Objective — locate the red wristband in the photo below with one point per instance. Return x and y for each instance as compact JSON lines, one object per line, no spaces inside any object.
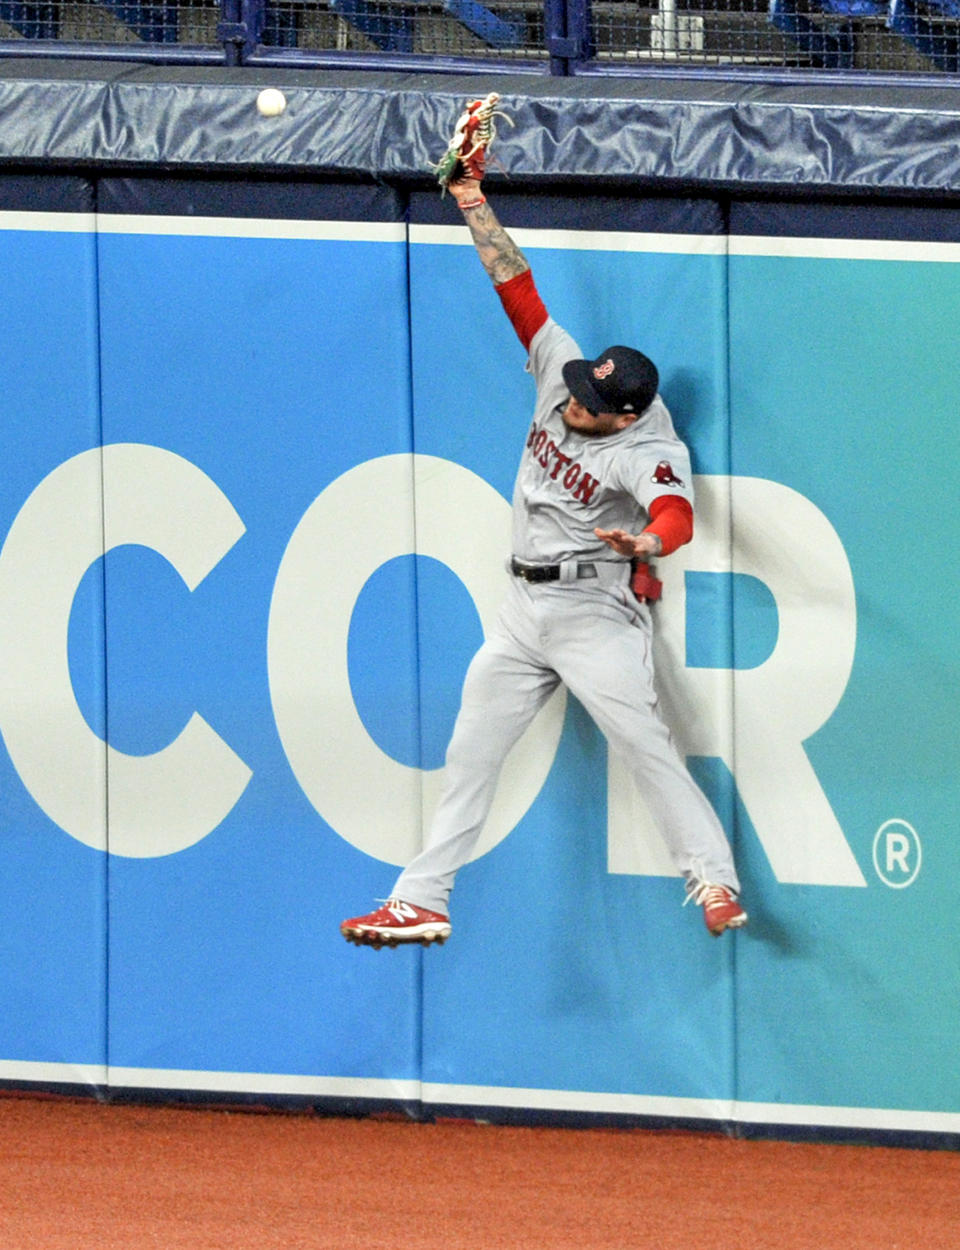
{"x":481,"y":199}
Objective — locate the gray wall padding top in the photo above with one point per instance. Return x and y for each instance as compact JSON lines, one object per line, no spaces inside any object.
{"x":646,"y":131}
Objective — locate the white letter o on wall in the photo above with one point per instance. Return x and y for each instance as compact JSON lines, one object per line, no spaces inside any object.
{"x":359,"y":522}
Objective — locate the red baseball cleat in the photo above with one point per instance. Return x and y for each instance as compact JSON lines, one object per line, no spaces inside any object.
{"x":721,"y":908}
{"x":396,"y":922}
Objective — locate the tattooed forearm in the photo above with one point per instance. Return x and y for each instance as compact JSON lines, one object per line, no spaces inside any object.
{"x":501,"y":257}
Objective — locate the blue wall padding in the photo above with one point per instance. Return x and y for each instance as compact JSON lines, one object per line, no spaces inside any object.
{"x":53,"y":936}
{"x":313,"y":388}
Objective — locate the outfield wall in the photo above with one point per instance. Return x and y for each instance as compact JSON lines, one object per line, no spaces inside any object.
{"x":260,"y":437}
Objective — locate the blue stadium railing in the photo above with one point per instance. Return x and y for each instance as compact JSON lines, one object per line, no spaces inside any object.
{"x":558,"y":37}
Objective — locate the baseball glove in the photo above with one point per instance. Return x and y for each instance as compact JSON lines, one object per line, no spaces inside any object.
{"x":473,"y":134}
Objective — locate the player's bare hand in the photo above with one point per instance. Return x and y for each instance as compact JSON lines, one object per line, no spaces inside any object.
{"x":635,"y":546}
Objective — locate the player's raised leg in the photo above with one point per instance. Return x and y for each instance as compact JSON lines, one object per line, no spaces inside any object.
{"x":613,"y":678}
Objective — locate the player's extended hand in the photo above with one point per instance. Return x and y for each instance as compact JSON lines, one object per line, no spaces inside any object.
{"x":635,"y":546}
{"x":465,"y":157}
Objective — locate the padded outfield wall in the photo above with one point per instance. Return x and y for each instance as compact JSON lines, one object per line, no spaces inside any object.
{"x":259,"y":438}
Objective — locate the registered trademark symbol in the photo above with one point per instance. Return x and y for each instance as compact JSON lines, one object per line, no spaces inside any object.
{"x":897,"y":854}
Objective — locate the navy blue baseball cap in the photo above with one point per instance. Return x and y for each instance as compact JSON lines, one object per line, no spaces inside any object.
{"x":621,"y":379}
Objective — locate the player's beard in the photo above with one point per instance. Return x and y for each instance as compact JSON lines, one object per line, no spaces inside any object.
{"x":598,"y":427}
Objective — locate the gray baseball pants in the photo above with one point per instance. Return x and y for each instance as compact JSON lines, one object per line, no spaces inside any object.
{"x":597,"y":639}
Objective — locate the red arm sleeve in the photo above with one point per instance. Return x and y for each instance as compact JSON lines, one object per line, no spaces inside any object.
{"x":523,"y":305}
{"x":671,"y":519}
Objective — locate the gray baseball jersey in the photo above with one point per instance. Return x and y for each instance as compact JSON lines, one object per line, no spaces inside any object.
{"x":568,"y":482}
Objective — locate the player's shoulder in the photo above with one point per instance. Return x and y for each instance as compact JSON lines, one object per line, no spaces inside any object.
{"x":652,"y":438}
{"x":655,"y":426}
{"x":551,"y":347}
{"x":656,"y":421}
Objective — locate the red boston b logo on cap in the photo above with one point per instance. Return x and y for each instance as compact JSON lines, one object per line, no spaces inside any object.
{"x":603,"y":371}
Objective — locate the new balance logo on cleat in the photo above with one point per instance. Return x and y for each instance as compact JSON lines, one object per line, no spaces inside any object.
{"x":721,"y":908}
{"x":397,"y":922}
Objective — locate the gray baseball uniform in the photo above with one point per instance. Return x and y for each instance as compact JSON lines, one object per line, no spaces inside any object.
{"x":586,"y":629}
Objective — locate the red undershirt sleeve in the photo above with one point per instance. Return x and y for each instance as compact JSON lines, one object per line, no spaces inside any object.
{"x":671,"y":519}
{"x":523,"y":305}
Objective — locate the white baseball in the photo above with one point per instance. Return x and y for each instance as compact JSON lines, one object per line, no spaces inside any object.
{"x":271,"y":102}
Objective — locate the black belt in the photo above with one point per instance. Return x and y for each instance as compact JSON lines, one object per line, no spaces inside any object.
{"x":547,"y":572}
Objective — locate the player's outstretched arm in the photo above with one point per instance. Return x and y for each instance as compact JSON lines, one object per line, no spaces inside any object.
{"x":500,"y":256}
{"x":460,"y":171}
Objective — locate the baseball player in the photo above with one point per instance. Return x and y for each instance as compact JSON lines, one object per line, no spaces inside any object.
{"x":604,"y":486}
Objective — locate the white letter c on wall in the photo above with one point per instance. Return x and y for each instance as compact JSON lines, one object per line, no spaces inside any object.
{"x":155,"y":804}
